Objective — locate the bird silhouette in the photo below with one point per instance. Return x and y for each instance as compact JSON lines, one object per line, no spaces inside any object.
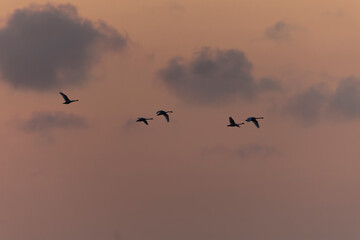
{"x":254,"y":120}
{"x":144,"y":120}
{"x":164,"y":113}
{"x":233,"y":123}
{"x":67,"y":100}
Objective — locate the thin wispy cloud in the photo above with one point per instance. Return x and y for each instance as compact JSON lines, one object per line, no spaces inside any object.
{"x":214,"y":76}
{"x":242,"y":152}
{"x":129,"y":124}
{"x":269,"y":84}
{"x":45,"y":122}
{"x":176,"y":6}
{"x":50,"y":46}
{"x":280,"y":31}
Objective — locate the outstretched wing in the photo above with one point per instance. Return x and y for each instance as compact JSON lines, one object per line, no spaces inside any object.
{"x":65,"y":97}
{"x":145,"y":122}
{"x":167,"y":117}
{"x":255,"y":122}
{"x":231,"y":120}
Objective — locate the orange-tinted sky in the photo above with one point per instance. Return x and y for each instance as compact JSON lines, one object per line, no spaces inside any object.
{"x":105,"y":176}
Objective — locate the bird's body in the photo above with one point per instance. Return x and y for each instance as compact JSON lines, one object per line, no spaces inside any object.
{"x":233,"y":123}
{"x":254,"y":120}
{"x":67,"y":100}
{"x":164,"y":113}
{"x":144,"y":120}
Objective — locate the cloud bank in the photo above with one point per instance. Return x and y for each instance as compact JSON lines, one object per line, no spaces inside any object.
{"x":44,"y":47}
{"x":213,"y":76}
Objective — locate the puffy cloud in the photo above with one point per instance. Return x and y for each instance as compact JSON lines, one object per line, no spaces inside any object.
{"x":346,"y":99}
{"x":213,"y":76}
{"x":318,"y":101}
{"x":308,"y":105}
{"x":46,"y":121}
{"x":45,"y":46}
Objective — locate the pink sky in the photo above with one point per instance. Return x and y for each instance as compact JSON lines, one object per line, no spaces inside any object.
{"x":295,"y":178}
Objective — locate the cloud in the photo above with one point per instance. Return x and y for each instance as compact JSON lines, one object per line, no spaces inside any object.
{"x":318,"y":102}
{"x":213,"y":76}
{"x":255,"y":150}
{"x":47,"y":121}
{"x":176,"y":6}
{"x":279,"y":31}
{"x":46,"y":46}
{"x":308,"y":105}
{"x":346,"y":99}
{"x":245,"y":151}
{"x":268,"y":84}
{"x":129,"y":124}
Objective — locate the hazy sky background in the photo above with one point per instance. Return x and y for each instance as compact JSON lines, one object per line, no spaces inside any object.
{"x":88,"y":171}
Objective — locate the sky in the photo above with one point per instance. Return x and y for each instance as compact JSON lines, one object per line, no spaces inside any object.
{"x":88,"y":170}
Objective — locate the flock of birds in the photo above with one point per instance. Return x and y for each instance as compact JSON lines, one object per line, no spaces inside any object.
{"x":166,"y":115}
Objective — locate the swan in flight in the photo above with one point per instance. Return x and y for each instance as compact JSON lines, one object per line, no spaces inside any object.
{"x":164,"y":113}
{"x":253,"y":119}
{"x":144,"y":120}
{"x":67,"y":100}
{"x":233,"y":124}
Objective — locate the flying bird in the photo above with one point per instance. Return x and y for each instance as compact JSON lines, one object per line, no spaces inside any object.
{"x":144,"y":120}
{"x":253,"y":119}
{"x":164,"y":113}
{"x":67,"y":100}
{"x":233,"y":123}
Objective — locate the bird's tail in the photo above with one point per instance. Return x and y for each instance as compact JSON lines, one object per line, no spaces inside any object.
{"x":169,"y":111}
{"x":149,"y":119}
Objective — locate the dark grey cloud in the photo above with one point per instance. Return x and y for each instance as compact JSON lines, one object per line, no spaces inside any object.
{"x":213,"y":76}
{"x":279,"y":31}
{"x":47,"y":121}
{"x":319,"y":102}
{"x":46,"y":46}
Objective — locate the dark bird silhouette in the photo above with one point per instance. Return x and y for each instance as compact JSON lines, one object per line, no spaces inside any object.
{"x":164,"y":113}
{"x":254,"y":120}
{"x":144,"y":120}
{"x":67,"y":100}
{"x":233,"y":123}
